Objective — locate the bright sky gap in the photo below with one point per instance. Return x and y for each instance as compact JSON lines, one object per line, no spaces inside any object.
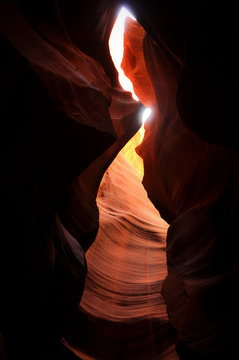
{"x":116,"y":45}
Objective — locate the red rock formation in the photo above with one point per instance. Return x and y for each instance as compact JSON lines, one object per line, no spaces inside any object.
{"x":64,"y":119}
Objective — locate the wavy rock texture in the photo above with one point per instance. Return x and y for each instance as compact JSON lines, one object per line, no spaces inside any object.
{"x":122,"y":309}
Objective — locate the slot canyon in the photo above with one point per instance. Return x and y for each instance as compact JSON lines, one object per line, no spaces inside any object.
{"x":120,"y":180}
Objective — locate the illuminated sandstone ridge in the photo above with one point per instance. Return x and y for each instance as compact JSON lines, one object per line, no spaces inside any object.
{"x":122,"y":303}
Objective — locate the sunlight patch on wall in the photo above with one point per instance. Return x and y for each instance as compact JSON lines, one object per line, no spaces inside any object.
{"x":116,"y":45}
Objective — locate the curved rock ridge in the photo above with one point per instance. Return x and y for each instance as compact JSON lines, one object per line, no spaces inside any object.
{"x":122,"y":309}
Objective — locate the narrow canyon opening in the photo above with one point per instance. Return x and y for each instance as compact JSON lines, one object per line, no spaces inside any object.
{"x":122,"y":303}
{"x":83,"y":250}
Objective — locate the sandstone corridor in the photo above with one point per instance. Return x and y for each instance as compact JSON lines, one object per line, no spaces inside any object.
{"x":107,"y":254}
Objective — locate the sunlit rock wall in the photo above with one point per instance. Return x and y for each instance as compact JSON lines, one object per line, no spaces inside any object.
{"x":122,"y":312}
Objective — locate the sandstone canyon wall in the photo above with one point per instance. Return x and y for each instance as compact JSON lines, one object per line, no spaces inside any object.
{"x":105,"y":277}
